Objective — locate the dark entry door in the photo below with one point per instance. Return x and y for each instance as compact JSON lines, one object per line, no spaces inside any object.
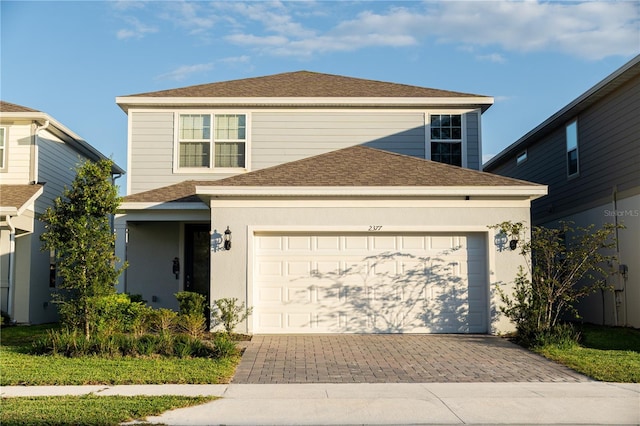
{"x":197,"y":259}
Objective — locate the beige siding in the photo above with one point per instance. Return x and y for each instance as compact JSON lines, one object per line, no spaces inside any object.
{"x":279,"y":137}
{"x":18,"y":154}
{"x":151,"y":151}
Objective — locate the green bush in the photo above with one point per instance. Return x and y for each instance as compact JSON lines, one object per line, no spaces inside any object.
{"x":116,"y":313}
{"x":194,"y":325}
{"x":224,"y":346}
{"x":191,"y":303}
{"x":164,"y":321}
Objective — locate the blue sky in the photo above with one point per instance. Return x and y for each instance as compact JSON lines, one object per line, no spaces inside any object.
{"x":71,"y":59}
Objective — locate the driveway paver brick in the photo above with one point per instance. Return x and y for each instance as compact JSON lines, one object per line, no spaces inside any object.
{"x":394,"y":358}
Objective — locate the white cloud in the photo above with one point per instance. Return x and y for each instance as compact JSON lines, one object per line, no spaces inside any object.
{"x":190,"y":15}
{"x":137,"y":29}
{"x":492,"y":57}
{"x":185,"y":71}
{"x":591,"y":30}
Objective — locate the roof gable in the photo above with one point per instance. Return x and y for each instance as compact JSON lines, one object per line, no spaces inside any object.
{"x":357,"y":166}
{"x":9,"y":107}
{"x":303,"y":84}
{"x":17,"y":197}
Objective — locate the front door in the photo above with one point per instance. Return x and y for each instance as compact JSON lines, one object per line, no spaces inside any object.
{"x":197,"y":252}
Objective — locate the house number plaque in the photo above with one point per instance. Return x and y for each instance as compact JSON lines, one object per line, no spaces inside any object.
{"x":375,"y":227}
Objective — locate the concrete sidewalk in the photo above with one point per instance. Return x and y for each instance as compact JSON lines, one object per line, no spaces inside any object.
{"x":585,"y":403}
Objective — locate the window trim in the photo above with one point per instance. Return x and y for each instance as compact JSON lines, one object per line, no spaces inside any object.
{"x":463,"y":134}
{"x":567,"y":151}
{"x":212,"y":169}
{"x":4,"y":157}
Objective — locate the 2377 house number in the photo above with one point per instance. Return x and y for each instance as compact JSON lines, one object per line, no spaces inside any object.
{"x":375,"y":227}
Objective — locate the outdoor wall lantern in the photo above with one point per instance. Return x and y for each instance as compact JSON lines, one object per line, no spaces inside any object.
{"x":227,"y":239}
{"x":514,"y":242}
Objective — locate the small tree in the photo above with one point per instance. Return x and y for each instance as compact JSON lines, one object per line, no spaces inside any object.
{"x":564,"y":264}
{"x":228,"y":313}
{"x":78,"y":231}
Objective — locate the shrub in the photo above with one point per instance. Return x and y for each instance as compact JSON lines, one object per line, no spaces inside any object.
{"x":194,"y":325}
{"x":164,"y":321}
{"x":116,"y":313}
{"x":228,"y":314}
{"x":224,"y":346}
{"x":191,"y":303}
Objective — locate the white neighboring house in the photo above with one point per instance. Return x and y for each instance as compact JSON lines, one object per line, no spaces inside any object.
{"x":38,"y":158}
{"x":321,"y":201}
{"x":588,"y":153}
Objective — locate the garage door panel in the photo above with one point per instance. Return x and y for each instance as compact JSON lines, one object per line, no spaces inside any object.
{"x":370,"y":283}
{"x":356,"y":243}
{"x":270,"y":294}
{"x":299,"y":268}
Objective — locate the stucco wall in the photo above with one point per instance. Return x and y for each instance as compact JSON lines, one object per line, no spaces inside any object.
{"x":151,"y":249}
{"x":231,"y":270}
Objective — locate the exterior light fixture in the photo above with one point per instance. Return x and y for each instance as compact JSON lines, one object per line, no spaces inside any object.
{"x":227,"y":239}
{"x":514,"y":242}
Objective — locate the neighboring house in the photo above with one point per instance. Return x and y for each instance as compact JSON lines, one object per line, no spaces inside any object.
{"x":38,"y":158}
{"x":588,"y":153}
{"x":311,"y":198}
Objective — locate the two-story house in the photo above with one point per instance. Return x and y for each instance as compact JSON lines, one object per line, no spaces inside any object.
{"x":588,"y":153}
{"x":325,"y":203}
{"x":38,"y":158}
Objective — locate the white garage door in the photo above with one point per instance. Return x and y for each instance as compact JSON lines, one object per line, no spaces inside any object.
{"x":363,"y":283}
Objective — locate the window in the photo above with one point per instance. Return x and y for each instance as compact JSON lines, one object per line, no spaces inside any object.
{"x":226,"y":140}
{"x":522,"y":157}
{"x":572,"y":148}
{"x":3,"y":148}
{"x":446,"y":138}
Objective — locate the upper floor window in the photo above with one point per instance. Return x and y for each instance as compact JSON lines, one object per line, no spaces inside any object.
{"x":572,"y":148}
{"x":522,"y":157}
{"x":212,"y":141}
{"x":446,"y":138}
{"x":3,"y":148}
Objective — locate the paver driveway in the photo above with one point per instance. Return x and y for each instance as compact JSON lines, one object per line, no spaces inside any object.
{"x":394,"y":358}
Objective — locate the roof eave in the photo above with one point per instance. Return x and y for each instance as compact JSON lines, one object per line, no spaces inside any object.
{"x":529,"y":191}
{"x":162,"y":205}
{"x":482,"y":102}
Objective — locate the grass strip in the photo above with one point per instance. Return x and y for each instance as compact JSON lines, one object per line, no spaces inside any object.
{"x":20,"y":368}
{"x":89,"y":409}
{"x":608,"y":354}
{"x":23,"y":369}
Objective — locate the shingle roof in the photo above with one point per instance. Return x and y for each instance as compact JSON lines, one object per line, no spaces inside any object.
{"x":357,"y":166}
{"x":303,"y":84}
{"x":17,"y":195}
{"x":9,"y":107}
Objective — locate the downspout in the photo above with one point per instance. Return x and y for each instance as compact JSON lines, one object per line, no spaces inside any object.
{"x":112,"y":223}
{"x":34,"y":150}
{"x":12,"y":267}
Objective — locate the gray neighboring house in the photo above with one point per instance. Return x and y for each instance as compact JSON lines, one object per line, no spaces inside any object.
{"x":38,"y":157}
{"x":321,"y":201}
{"x":588,"y":153}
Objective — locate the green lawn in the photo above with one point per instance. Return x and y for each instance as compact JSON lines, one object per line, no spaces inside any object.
{"x":89,"y":410}
{"x":21,"y":368}
{"x":609,"y":354}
